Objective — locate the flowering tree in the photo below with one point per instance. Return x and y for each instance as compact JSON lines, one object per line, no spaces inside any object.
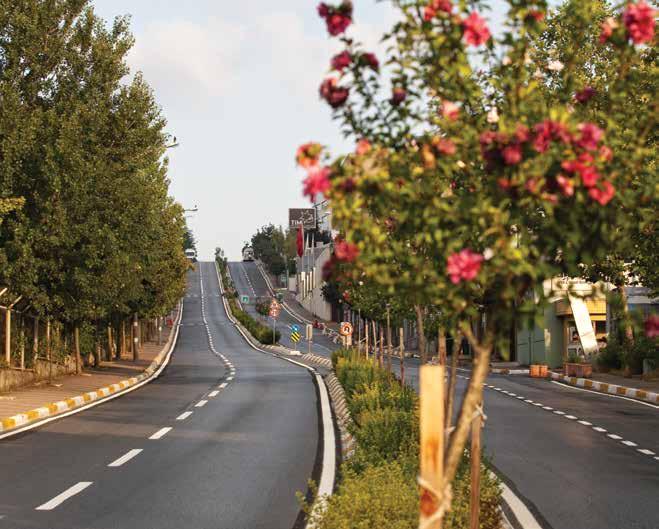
{"x":483,"y":170}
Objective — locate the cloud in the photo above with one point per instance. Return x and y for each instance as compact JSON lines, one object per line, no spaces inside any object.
{"x":183,"y":59}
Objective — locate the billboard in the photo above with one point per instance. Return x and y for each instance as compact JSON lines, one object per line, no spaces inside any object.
{"x":306,"y":216}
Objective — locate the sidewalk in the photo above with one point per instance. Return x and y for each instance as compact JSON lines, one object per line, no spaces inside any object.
{"x":45,"y":399}
{"x":635,"y":388}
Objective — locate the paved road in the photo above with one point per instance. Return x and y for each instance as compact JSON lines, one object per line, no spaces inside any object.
{"x":235,"y":462}
{"x":572,"y":473}
{"x":249,"y":281}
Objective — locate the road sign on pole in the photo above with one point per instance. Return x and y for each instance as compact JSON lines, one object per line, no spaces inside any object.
{"x":295,"y":334}
{"x":244,"y":299}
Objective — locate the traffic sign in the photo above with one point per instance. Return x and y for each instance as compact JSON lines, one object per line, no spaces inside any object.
{"x":346,"y":328}
{"x":309,"y":329}
{"x":295,"y":334}
{"x":244,"y":299}
{"x":274,"y":310}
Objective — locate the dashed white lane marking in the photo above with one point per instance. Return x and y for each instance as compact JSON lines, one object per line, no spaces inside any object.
{"x":201,"y":404}
{"x":184,"y":416}
{"x":223,"y":385}
{"x":61,"y":498}
{"x":214,"y":393}
{"x":125,"y":458}
{"x":599,"y":429}
{"x":161,"y":433}
{"x":229,"y":379}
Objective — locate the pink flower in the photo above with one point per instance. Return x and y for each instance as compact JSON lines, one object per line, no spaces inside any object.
{"x":337,"y":18}
{"x":639,"y":21}
{"x":584,"y":95}
{"x":512,"y":154}
{"x":345,"y":251}
{"x":602,"y":195}
{"x":436,"y":6}
{"x":522,"y":133}
{"x":335,"y":95}
{"x":590,"y":136}
{"x":606,"y":154}
{"x":398,"y":95}
{"x":652,"y":326}
{"x":607,"y":28}
{"x":449,"y":110}
{"x":370,"y":60}
{"x":341,"y":61}
{"x":547,"y":131}
{"x":475,"y":30}
{"x":444,"y":146}
{"x":464,"y":265}
{"x":307,"y":155}
{"x":537,"y":15}
{"x":363,"y":147}
{"x":566,"y":185}
{"x":316,"y":182}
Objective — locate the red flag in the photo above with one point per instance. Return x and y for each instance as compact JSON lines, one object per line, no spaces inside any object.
{"x":300,"y":241}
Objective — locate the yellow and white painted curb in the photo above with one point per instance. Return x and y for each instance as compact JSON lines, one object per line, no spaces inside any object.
{"x":610,"y":389}
{"x":54,"y":409}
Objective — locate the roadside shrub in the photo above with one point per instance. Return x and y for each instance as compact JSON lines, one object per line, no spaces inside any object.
{"x":382,"y":497}
{"x":642,"y":348}
{"x":260,"y":332}
{"x":609,"y":357}
{"x":383,"y":433}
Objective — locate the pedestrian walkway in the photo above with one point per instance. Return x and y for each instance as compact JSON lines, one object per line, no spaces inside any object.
{"x":43,"y":393}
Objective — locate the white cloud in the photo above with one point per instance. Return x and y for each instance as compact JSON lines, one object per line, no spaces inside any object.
{"x":183,"y":59}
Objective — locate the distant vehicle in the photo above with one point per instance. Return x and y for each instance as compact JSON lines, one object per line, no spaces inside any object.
{"x":248,"y":253}
{"x":191,"y":254}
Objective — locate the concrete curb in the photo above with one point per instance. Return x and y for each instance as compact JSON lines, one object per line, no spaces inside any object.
{"x":497,"y":371}
{"x":342,"y":414}
{"x":609,"y":389}
{"x":53,"y":409}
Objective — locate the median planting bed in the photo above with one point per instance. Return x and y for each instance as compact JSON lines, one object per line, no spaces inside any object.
{"x":377,"y":485}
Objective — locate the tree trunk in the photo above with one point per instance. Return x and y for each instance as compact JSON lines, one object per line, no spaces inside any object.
{"x":420,"y":333}
{"x":76,"y":348}
{"x":388,"y":341}
{"x":629,"y":331}
{"x":122,"y":338}
{"x":136,"y":338}
{"x":441,"y":345}
{"x":450,"y":398}
{"x":475,"y":472}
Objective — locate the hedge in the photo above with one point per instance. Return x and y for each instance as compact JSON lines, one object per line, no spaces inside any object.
{"x":261,"y":332}
{"x":378,"y":483}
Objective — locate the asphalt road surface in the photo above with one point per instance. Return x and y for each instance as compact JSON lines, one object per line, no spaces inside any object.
{"x":239,"y":448}
{"x":579,"y":460}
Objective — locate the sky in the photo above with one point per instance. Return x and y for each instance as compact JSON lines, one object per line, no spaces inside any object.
{"x":238,"y":84}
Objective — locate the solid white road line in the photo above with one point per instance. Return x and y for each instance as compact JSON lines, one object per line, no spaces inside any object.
{"x":214,"y":393}
{"x":57,"y":500}
{"x":201,"y":403}
{"x":521,"y":511}
{"x":160,"y":433}
{"x":605,"y":394}
{"x":125,"y":458}
{"x":184,"y":416}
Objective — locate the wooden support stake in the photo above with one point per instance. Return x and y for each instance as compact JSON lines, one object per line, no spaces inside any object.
{"x":366,"y":338}
{"x":476,"y":427}
{"x":375,"y":339}
{"x":388,"y":340}
{"x":402,"y":356}
{"x":136,"y":338}
{"x":381,"y":358}
{"x":8,"y":337}
{"x":431,"y":470}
